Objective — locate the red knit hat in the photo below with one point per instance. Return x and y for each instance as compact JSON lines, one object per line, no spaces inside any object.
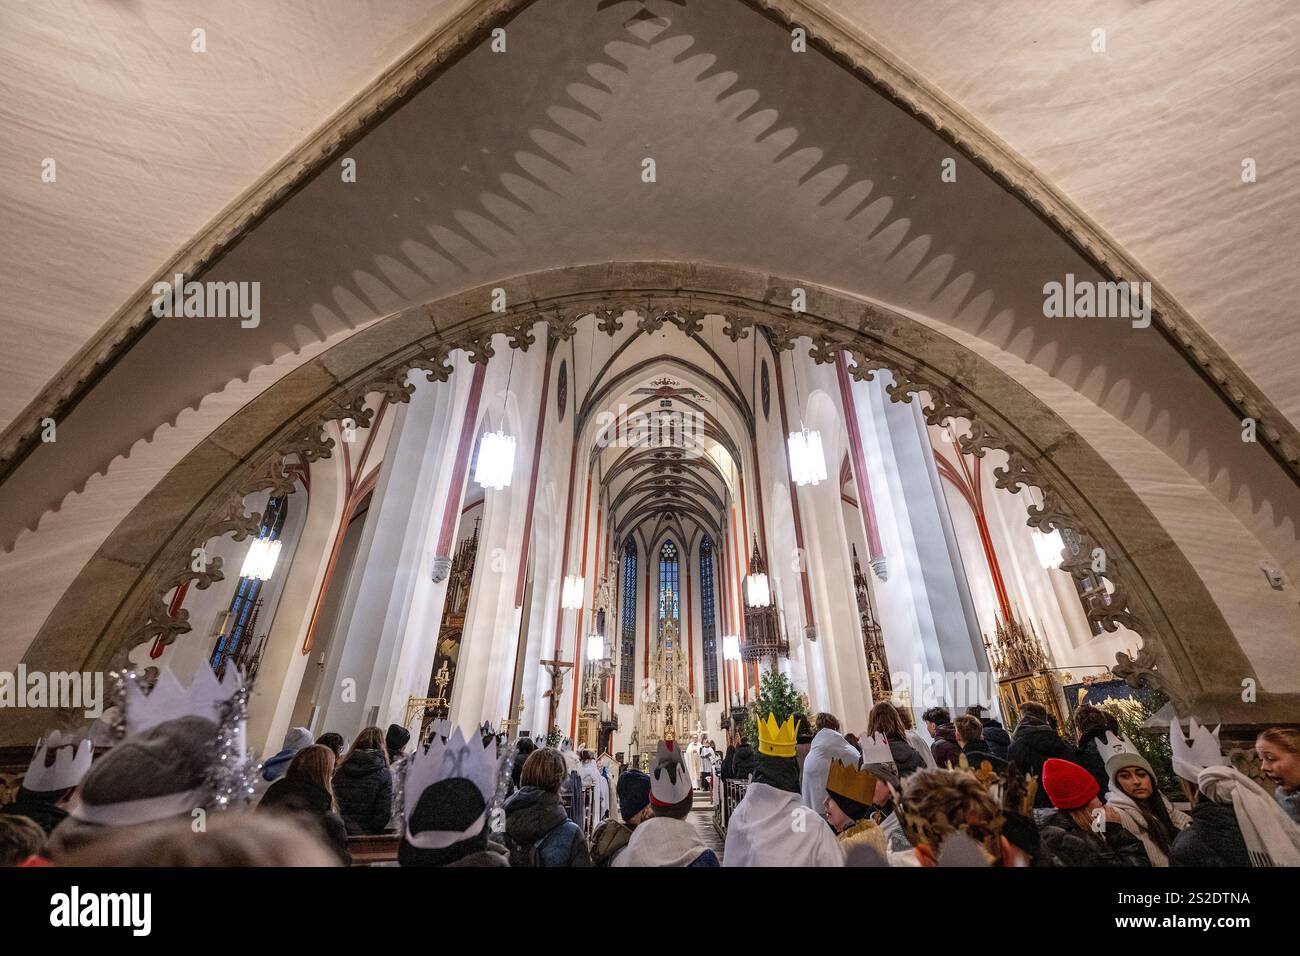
{"x":1068,"y":785}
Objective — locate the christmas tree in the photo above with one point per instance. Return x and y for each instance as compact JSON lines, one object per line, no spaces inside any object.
{"x":776,"y":695}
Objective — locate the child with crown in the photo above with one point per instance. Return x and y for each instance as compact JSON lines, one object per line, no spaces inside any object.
{"x":771,"y":826}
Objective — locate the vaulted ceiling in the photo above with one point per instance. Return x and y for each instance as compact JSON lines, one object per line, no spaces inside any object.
{"x":509,"y":163}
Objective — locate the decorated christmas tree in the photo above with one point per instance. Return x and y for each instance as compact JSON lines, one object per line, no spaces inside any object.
{"x":776,"y":695}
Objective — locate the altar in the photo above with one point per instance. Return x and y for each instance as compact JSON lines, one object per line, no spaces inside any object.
{"x":668,"y":707}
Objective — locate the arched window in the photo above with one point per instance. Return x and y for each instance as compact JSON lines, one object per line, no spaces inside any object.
{"x":710,"y":629}
{"x":669,"y":596}
{"x":627,"y":627}
{"x":233,"y":644}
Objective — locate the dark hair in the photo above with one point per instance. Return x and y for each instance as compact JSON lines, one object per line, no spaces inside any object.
{"x":937,"y":715}
{"x":885,"y":719}
{"x":1089,"y":719}
{"x":20,"y":838}
{"x":333,"y":741}
{"x":969,"y":727}
{"x":678,"y":811}
{"x":975,"y":710}
{"x":1034,"y":710}
{"x":825,"y":721}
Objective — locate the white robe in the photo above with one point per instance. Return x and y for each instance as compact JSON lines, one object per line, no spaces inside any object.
{"x":772,"y":827}
{"x":827,"y":746}
{"x":692,"y":756}
{"x":591,"y":775}
{"x":661,"y":841}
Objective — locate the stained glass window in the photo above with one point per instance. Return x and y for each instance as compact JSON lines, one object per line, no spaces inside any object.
{"x":627,"y":629}
{"x":669,"y":596}
{"x":710,"y":629}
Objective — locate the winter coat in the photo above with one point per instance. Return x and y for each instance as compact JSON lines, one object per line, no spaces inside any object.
{"x":363,"y":787}
{"x":1031,"y":746}
{"x":978,"y":752}
{"x":743,"y":763}
{"x":1090,"y":759}
{"x":996,"y":735}
{"x":760,"y":832}
{"x":829,"y":745}
{"x":907,"y":758}
{"x":494,"y":855}
{"x":945,"y":749}
{"x":276,"y":767}
{"x":540,"y":833}
{"x":608,"y":841}
{"x":1213,"y":838}
{"x":665,"y":841}
{"x":44,"y":813}
{"x":1071,"y":846}
{"x":312,"y":804}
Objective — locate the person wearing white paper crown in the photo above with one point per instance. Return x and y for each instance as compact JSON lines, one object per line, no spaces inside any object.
{"x":447,"y":803}
{"x":771,"y":826}
{"x":181,"y":749}
{"x":666,"y":839}
{"x":1143,"y":810}
{"x":49,"y":787}
{"x":1234,"y":821}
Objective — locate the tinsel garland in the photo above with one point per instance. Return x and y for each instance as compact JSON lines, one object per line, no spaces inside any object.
{"x":232,"y":776}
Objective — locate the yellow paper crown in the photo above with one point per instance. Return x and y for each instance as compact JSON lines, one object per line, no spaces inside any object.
{"x":846,"y":781}
{"x":776,"y":741}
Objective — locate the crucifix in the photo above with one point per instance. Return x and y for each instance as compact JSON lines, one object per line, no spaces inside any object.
{"x":557,"y":670}
{"x":442,"y":679}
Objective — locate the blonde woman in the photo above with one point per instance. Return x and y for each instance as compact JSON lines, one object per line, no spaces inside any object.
{"x":307,"y":790}
{"x":1279,"y":756}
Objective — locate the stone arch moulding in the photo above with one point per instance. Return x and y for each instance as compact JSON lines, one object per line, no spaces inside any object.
{"x":117,"y":599}
{"x":827,"y":31}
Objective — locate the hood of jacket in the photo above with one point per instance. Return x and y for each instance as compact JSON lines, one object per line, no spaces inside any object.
{"x":946,"y":732}
{"x":362,"y":763}
{"x":610,"y":837}
{"x":662,"y":841}
{"x":532,"y":813}
{"x":828,"y":743}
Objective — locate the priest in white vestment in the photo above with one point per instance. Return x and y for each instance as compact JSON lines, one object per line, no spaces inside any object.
{"x":771,"y":826}
{"x":592,"y":777}
{"x":692,"y":755}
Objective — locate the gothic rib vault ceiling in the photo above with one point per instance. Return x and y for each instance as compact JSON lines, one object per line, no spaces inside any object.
{"x":512,"y":163}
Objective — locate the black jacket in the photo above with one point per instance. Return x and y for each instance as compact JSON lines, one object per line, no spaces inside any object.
{"x":1089,"y":758}
{"x":1213,"y":838}
{"x":311,"y":803}
{"x":48,"y":815}
{"x":906,"y":759}
{"x":1032,"y":745}
{"x":363,"y":787}
{"x":978,"y":752}
{"x":540,"y":833}
{"x":1072,"y":846}
{"x":743,"y":763}
{"x":996,"y":735}
{"x":945,"y":749}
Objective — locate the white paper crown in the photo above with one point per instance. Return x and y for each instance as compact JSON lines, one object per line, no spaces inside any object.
{"x":875,"y":749}
{"x":1113,"y":746}
{"x":206,"y":697}
{"x":71,"y":761}
{"x":670,"y":781}
{"x":1189,"y":759}
{"x":457,"y":758}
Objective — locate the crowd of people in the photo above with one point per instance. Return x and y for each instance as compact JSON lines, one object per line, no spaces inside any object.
{"x":813,"y":795}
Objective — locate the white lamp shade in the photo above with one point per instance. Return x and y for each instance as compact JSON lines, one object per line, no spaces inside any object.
{"x":758,"y":592}
{"x":260,"y":561}
{"x":807,"y":460}
{"x":496,"y":460}
{"x":1049,"y":547}
{"x":731,"y":647}
{"x":571,"y":596}
{"x":595,"y":647}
